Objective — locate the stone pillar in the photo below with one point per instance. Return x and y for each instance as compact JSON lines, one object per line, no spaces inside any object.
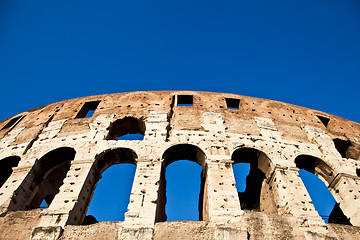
{"x":221,"y":201}
{"x":70,"y":204}
{"x":291,"y":197}
{"x":15,"y":191}
{"x":144,"y":195}
{"x":346,"y":190}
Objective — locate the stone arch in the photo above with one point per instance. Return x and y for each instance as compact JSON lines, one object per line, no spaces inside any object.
{"x":326,"y":174}
{"x":172,"y":154}
{"x":6,"y":166}
{"x":263,"y":161}
{"x":103,"y":161}
{"x":184,"y":151}
{"x":47,"y":175}
{"x":113,"y":156}
{"x":126,"y":125}
{"x":315,"y":166}
{"x":260,"y":169}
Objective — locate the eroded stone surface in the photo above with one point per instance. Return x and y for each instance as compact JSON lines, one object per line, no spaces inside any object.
{"x":57,"y":144}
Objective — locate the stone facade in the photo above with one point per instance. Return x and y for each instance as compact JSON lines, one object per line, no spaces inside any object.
{"x":57,"y":153}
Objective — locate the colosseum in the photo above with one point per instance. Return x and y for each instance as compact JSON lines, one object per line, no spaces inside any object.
{"x":58,"y":153}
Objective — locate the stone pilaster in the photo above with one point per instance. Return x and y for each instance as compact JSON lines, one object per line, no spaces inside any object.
{"x":292,"y":198}
{"x":15,"y":191}
{"x":221,"y":201}
{"x":144,"y":195}
{"x":346,"y":190}
{"x":70,"y":204}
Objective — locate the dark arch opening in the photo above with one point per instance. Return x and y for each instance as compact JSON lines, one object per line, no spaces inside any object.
{"x":48,"y":175}
{"x":109,"y":197}
{"x":249,"y":157}
{"x":316,"y":175}
{"x":181,"y":169}
{"x":6,"y":165}
{"x":127,"y":128}
{"x":315,"y":166}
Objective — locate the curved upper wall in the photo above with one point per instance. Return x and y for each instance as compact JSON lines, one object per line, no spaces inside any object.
{"x":61,"y":143}
{"x":288,"y":119}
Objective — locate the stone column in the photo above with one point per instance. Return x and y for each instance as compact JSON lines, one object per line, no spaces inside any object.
{"x":346,"y":190}
{"x":291,"y":197}
{"x":15,"y":191}
{"x":144,"y":195}
{"x":70,"y":204}
{"x":221,"y":201}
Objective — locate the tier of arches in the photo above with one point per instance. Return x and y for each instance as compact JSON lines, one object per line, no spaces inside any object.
{"x":47,"y":175}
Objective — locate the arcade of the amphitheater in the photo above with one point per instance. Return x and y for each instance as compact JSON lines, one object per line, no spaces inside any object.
{"x":58,"y":153}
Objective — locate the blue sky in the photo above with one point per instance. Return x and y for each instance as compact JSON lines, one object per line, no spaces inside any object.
{"x":301,"y":52}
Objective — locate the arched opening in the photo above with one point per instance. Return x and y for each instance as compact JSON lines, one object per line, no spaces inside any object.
{"x":6,"y":165}
{"x":181,"y":184}
{"x":127,"y":128}
{"x":182,"y":191}
{"x":48,"y":175}
{"x":249,"y":161}
{"x":316,"y":175}
{"x":113,"y":172}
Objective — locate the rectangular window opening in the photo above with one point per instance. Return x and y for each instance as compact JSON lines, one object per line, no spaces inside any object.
{"x":184,"y":100}
{"x":88,"y":109}
{"x":232,"y":103}
{"x":324,"y":120}
{"x":12,"y":122}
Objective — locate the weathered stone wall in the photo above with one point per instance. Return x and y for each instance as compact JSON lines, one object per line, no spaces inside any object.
{"x":19,"y":224}
{"x":58,"y":144}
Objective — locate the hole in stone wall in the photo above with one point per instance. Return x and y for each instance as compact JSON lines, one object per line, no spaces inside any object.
{"x":250,"y":197}
{"x":6,"y":166}
{"x":322,"y":199}
{"x":129,"y":136}
{"x":358,"y":172}
{"x":320,"y":195}
{"x":88,"y":109}
{"x":324,"y":120}
{"x":232,"y":103}
{"x":184,"y":100}
{"x":43,"y":204}
{"x":127,"y":128}
{"x":182,"y":191}
{"x":48,"y":174}
{"x":181,"y":184}
{"x":342,"y":146}
{"x":90,"y":113}
{"x":241,"y":171}
{"x":112,"y":194}
{"x":12,"y":122}
{"x":109,"y":201}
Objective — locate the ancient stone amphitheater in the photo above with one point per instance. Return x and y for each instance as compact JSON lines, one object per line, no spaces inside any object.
{"x":58,"y":153}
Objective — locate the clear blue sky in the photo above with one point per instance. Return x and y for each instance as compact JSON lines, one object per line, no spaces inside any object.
{"x":303,"y":52}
